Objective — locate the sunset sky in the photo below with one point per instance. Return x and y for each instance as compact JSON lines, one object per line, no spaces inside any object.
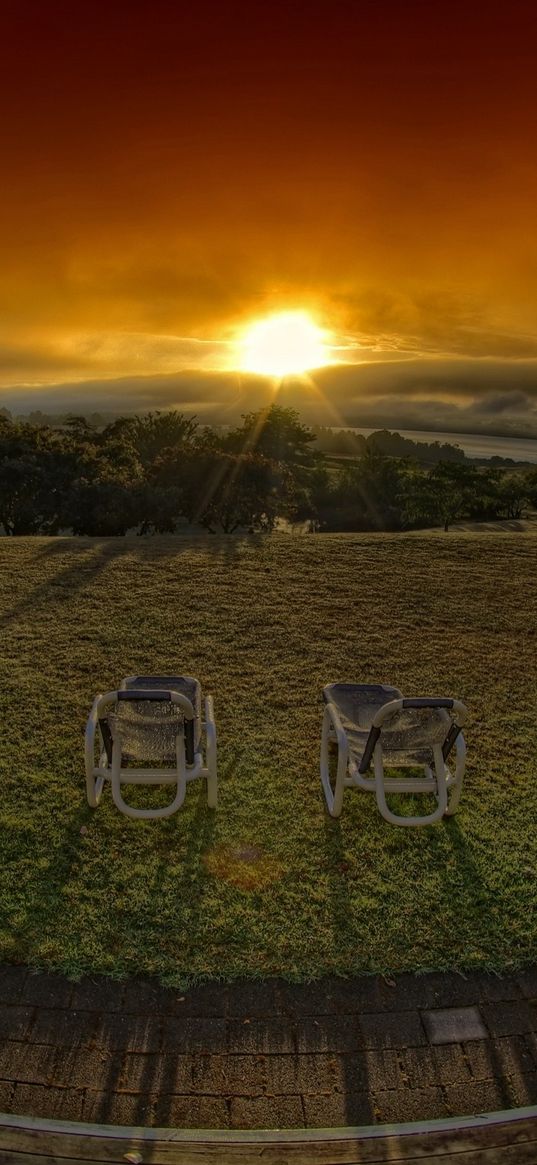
{"x":173,"y":172}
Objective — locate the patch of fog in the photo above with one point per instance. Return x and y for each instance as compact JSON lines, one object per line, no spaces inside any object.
{"x":283,"y":526}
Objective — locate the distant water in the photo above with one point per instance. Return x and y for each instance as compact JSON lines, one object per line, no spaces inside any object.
{"x":473,"y":444}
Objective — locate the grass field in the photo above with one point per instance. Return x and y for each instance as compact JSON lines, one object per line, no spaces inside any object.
{"x":269,"y":884}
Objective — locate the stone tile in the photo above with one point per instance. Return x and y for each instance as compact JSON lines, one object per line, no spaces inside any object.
{"x":338,"y":1110}
{"x":527,"y":981}
{"x":409,"y":1104}
{"x":42,"y":990}
{"x":432,"y":990}
{"x":315,"y":999}
{"x":63,"y":1028}
{"x":509,"y":1019}
{"x":139,"y":1072}
{"x":315,"y":1074}
{"x":40,"y":1100}
{"x":392,"y":1030}
{"x":12,"y":981}
{"x":501,"y":1057}
{"x":451,"y":1065}
{"x":145,"y":997}
{"x":7,"y":1091}
{"x":365,"y":994}
{"x":409,"y":992}
{"x":204,"y":1036}
{"x":209,"y":1000}
{"x":254,"y":1000}
{"x":451,"y":1025}
{"x":277,"y":1112}
{"x":15,"y":1022}
{"x":29,"y":1063}
{"x":128,"y":1033}
{"x":479,"y":1096}
{"x":87,"y":1068}
{"x":530,"y":1041}
{"x":417,"y":1068}
{"x":192,"y":1112}
{"x":269,"y":1036}
{"x":329,"y":1034}
{"x":175,"y":1073}
{"x":533,"y":1013}
{"x":150,"y":1072}
{"x":97,"y":995}
{"x":498,"y":988}
{"x":524,"y":1088}
{"x":231,"y":1075}
{"x":382,"y":1069}
{"x":113,"y":1108}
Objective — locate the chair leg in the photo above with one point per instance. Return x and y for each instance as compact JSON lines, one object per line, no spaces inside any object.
{"x":148,"y":814}
{"x":460,"y":765}
{"x":210,"y":740}
{"x":94,"y":789}
{"x":333,"y":798}
{"x":441,"y":794}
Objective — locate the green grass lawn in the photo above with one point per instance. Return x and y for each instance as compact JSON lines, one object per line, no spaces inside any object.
{"x":269,"y":884}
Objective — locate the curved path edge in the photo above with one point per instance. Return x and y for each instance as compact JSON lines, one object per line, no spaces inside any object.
{"x":488,"y":1137}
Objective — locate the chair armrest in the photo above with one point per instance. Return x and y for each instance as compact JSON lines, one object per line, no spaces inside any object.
{"x":332,"y":713}
{"x":89,"y":736}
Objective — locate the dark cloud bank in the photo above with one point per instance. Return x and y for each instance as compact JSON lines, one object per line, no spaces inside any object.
{"x":456,"y":395}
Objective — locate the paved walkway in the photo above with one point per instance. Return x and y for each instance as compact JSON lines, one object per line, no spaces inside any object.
{"x":267,"y":1055}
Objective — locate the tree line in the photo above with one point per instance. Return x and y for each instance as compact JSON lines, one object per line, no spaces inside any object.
{"x":161,"y":471}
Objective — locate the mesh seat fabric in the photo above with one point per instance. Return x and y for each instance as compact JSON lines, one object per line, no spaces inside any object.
{"x":407,"y":736}
{"x":147,"y":730}
{"x":185,"y":685}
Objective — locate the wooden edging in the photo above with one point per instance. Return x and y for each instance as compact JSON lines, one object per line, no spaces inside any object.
{"x":500,"y":1138}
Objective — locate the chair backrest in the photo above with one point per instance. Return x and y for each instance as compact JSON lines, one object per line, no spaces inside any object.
{"x":146,"y":722}
{"x":187,"y":686}
{"x":409,"y":728}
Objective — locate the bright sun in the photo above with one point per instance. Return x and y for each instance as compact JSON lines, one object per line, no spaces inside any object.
{"x":282,"y":345}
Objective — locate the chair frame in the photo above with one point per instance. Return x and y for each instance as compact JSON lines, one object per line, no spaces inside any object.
{"x":111,"y":770}
{"x":439,"y":779}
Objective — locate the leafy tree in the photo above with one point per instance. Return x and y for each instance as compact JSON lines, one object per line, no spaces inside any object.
{"x":277,"y":434}
{"x":513,"y":493}
{"x":452,"y":490}
{"x":372,"y":486}
{"x":392,"y":444}
{"x":151,"y":434}
{"x":238,"y":490}
{"x":158,"y":508}
{"x":30,"y":472}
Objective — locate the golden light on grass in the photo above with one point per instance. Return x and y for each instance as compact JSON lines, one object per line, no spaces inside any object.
{"x":288,"y":343}
{"x":246,"y":867}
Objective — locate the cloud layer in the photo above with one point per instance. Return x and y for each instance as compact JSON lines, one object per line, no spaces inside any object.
{"x":481,"y":396}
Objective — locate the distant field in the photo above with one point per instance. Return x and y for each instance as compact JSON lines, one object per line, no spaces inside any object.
{"x":264,"y":624}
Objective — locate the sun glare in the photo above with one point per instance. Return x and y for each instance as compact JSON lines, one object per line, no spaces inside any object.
{"x":286,"y":344}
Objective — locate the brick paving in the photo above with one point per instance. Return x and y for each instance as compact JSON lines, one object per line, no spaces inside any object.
{"x":267,"y":1055}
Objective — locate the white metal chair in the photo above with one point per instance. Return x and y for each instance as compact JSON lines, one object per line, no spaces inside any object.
{"x":155,"y":722}
{"x":373,"y":724}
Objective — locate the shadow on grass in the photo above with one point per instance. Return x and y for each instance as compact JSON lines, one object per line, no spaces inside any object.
{"x":93,"y":555}
{"x":63,"y":584}
{"x":47,"y":900}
